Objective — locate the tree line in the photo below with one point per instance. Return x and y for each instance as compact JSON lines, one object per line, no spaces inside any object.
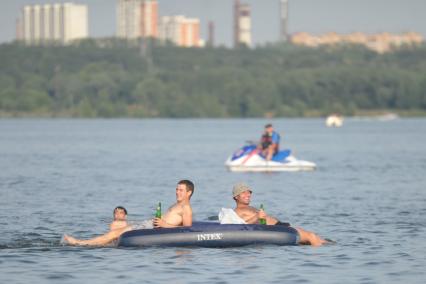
{"x":115,"y":78}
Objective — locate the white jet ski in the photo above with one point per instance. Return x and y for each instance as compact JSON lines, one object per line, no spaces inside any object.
{"x":249,"y":159}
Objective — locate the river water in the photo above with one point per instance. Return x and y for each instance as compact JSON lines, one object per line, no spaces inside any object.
{"x":65,"y":176}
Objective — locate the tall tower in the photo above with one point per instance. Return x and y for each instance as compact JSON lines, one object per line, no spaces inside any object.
{"x":210,"y":40}
{"x":242,"y":24}
{"x":284,"y":20}
{"x":236,"y":22}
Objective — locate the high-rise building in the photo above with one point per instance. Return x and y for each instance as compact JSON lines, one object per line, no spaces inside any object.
{"x":180,"y":30}
{"x":137,"y":18}
{"x":149,"y":19}
{"x":284,"y":20}
{"x":128,"y":18}
{"x":63,"y":23}
{"x":242,"y":24}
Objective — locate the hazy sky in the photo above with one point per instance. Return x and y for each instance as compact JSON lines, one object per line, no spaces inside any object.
{"x":313,"y":16}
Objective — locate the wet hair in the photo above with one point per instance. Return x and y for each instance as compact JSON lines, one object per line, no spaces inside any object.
{"x":120,"y":208}
{"x":189,"y":186}
{"x":268,"y":125}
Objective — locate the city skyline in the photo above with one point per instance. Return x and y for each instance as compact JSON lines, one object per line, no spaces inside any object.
{"x":312,"y":16}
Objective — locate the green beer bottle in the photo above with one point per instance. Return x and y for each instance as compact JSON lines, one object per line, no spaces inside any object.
{"x":158,"y":211}
{"x":262,"y":221}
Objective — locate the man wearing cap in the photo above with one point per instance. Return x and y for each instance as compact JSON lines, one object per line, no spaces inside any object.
{"x":242,"y":196}
{"x":269,"y":142}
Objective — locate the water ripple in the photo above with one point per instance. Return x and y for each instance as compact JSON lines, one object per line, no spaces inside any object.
{"x":63,"y":176}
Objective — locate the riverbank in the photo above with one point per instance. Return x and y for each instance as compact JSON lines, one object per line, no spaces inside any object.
{"x":88,"y":81}
{"x":310,"y":114}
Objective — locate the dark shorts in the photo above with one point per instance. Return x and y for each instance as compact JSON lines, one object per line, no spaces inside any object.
{"x":279,"y":223}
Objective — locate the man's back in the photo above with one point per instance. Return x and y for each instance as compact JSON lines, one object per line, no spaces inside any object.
{"x":275,"y":138}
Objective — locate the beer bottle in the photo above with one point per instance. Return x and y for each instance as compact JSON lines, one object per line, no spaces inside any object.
{"x":262,"y":221}
{"x":158,"y":211}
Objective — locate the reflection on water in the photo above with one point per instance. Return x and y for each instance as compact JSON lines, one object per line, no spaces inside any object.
{"x":66,"y":176}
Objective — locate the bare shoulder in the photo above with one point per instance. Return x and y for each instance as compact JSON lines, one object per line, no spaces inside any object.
{"x":186,"y":207}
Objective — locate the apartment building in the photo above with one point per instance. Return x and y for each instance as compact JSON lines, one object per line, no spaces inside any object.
{"x":181,"y":31}
{"x":380,"y":43}
{"x":137,"y":18}
{"x":53,"y":23}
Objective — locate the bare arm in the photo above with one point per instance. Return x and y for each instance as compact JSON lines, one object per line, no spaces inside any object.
{"x":269,"y":219}
{"x":252,"y":217}
{"x":160,"y":223}
{"x":249,"y":216}
{"x":187,"y":216}
{"x":186,"y":219}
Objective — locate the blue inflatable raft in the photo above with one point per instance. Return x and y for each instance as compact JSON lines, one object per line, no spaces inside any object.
{"x":209,"y":234}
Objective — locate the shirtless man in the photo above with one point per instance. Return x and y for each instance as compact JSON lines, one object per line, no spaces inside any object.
{"x":179,"y":214}
{"x":242,"y":196}
{"x":120,"y":216}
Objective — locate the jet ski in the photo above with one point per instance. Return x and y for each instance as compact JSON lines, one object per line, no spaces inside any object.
{"x":250,"y":159}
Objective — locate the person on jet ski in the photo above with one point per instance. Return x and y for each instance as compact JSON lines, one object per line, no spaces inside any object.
{"x":269,"y":142}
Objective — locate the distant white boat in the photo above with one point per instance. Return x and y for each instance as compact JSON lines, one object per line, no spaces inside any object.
{"x":334,"y":120}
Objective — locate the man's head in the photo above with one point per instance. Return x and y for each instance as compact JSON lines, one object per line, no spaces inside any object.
{"x":120,"y":213}
{"x":269,"y":128}
{"x":241,"y":193}
{"x":185,"y":189}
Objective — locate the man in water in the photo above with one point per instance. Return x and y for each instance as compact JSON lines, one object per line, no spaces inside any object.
{"x":242,"y":196}
{"x":120,"y":218}
{"x":179,"y":214}
{"x":269,"y":143}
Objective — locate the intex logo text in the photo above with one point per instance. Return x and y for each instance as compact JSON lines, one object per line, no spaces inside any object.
{"x":209,"y":237}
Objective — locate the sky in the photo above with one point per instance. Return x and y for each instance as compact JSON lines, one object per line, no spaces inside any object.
{"x":312,"y":16}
